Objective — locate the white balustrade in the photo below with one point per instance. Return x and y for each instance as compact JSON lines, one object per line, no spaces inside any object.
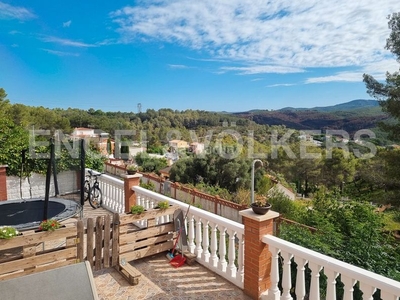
{"x":113,"y":192}
{"x":368,"y":281}
{"x":219,"y":245}
{"x":217,"y":242}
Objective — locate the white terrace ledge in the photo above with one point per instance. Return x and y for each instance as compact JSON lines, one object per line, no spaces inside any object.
{"x":350,"y":274}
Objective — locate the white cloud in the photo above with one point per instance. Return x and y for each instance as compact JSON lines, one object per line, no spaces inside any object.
{"x":67,"y":42}
{"x":377,"y":69}
{"x":60,"y":53}
{"x":263,"y":69}
{"x":338,"y":77}
{"x":177,"y":66}
{"x":106,"y":42}
{"x":8,"y":11}
{"x":281,"y":84}
{"x":67,"y":24}
{"x":288,"y":34}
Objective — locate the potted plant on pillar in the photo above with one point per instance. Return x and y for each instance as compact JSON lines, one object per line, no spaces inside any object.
{"x":131,"y":169}
{"x":261,"y":206}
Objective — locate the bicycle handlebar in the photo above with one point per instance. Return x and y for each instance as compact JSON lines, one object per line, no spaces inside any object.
{"x":91,"y":174}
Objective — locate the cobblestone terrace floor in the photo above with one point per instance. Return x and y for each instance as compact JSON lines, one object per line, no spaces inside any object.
{"x":159,"y":280}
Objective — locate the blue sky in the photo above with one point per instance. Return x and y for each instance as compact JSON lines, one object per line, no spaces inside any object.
{"x":225,"y":55}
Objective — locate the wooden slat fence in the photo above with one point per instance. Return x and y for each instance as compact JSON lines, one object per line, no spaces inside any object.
{"x":104,"y":242}
{"x":101,"y":247}
{"x":37,"y":251}
{"x":135,"y":243}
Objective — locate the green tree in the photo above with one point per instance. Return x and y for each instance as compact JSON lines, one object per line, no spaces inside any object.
{"x":13,"y":140}
{"x":338,"y":169}
{"x":4,"y":103}
{"x":388,"y":93}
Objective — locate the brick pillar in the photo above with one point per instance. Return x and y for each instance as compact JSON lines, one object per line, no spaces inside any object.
{"x":257,"y":258}
{"x":129,"y":182}
{"x":3,"y":182}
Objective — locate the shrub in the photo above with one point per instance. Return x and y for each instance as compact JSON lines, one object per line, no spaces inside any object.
{"x":163,"y":204}
{"x":7,"y":232}
{"x":49,"y":225}
{"x":137,"y":209}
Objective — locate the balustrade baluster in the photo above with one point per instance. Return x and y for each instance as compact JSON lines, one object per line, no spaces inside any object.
{"x":300,"y":278}
{"x":199,"y":249}
{"x":314,"y":288}
{"x":206,"y":242}
{"x":240,"y":257}
{"x":105,"y":189}
{"x":287,"y":275}
{"x":274,"y":290}
{"x":107,"y":192}
{"x":162,"y":219}
{"x":232,"y":254}
{"x":348,"y":287}
{"x":222,"y":249}
{"x":147,"y":203}
{"x":121,"y":197}
{"x":214,"y":257}
{"x":330,"y":283}
{"x":114,"y":197}
{"x":368,"y":291}
{"x":191,"y":243}
{"x":388,"y":296}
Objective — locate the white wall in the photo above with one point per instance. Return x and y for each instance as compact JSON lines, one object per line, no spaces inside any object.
{"x":35,"y":186}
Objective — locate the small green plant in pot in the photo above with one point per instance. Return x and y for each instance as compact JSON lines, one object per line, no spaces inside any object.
{"x":137,"y":209}
{"x":8,"y":232}
{"x":131,"y":169}
{"x":49,"y":225}
{"x":162,"y":204}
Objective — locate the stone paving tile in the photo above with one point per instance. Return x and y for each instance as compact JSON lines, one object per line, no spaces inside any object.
{"x":160,"y":280}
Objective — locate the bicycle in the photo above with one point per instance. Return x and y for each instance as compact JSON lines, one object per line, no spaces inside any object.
{"x":92,"y":190}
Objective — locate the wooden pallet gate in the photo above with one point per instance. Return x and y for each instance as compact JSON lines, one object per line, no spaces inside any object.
{"x":136,"y":243}
{"x":105,"y":242}
{"x":30,"y":253}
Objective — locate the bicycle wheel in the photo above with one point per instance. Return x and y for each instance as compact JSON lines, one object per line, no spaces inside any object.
{"x":96,"y":197}
{"x":86,"y":190}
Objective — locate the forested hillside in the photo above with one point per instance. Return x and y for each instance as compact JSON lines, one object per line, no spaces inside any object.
{"x":351,"y":117}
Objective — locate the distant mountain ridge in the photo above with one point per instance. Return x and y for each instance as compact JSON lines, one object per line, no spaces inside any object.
{"x":350,"y":116}
{"x":354,"y":104}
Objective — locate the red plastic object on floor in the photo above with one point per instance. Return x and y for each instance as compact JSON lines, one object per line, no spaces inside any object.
{"x":178,"y":261}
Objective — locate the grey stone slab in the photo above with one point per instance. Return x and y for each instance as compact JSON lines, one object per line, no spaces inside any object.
{"x":73,"y":282}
